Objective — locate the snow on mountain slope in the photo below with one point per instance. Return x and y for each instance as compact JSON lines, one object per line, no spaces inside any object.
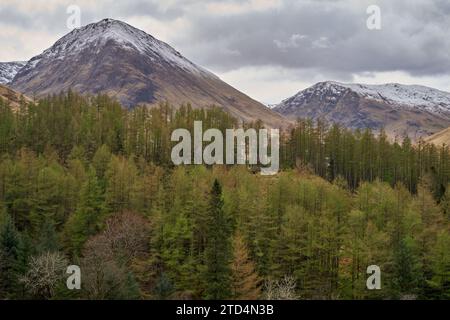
{"x":98,"y":34}
{"x":413,"y":96}
{"x":8,"y":70}
{"x":412,"y":110}
{"x":409,"y":96}
{"x":111,"y":57}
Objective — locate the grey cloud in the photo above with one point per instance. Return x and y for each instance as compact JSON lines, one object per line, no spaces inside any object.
{"x":54,"y":20}
{"x":334,"y":38}
{"x":328,"y":36}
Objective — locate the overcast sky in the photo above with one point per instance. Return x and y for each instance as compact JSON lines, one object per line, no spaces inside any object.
{"x":269,"y":49}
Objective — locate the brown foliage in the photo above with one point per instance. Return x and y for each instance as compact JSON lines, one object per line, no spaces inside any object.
{"x":246,"y":282}
{"x":107,"y":256}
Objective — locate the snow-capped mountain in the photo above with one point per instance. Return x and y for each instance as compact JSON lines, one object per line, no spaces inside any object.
{"x":115,"y":58}
{"x":97,"y":35}
{"x":8,"y":70}
{"x":411,"y":110}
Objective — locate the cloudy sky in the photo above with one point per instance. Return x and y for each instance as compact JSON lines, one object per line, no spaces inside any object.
{"x":269,"y":49}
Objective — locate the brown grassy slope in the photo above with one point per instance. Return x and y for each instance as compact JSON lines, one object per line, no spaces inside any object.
{"x":12,"y":97}
{"x":439,"y":138}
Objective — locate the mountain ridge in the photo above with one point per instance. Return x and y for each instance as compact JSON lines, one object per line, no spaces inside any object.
{"x":412,"y":110}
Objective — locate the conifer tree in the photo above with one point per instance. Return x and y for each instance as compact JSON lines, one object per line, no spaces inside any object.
{"x":88,"y":216}
{"x":245,"y":280}
{"x":407,"y":272}
{"x":440,"y":257}
{"x":218,"y":248}
{"x":10,"y":259}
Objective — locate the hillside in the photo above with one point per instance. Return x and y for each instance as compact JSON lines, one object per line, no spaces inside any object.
{"x":439,"y":138}
{"x":11,"y":96}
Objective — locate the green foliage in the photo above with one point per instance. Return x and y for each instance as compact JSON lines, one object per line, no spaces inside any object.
{"x":218,"y":248}
{"x":11,"y":259}
{"x":440,"y":259}
{"x":88,"y":216}
{"x":407,"y":270}
{"x":84,"y":179}
{"x":333,"y":151}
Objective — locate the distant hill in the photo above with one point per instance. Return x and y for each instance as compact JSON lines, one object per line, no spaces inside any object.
{"x":415,"y":111}
{"x":8,"y":70}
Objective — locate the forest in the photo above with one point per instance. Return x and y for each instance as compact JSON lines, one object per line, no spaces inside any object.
{"x":84,"y":181}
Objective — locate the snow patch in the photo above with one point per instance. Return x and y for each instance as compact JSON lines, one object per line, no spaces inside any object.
{"x":8,"y":70}
{"x":398,"y":95}
{"x":130,"y":38}
{"x":430,"y":99}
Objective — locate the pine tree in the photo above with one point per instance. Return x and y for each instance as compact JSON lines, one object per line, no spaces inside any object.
{"x":121,"y":179}
{"x":245,"y":280}
{"x":48,"y":240}
{"x":407,"y":273}
{"x":10,"y":259}
{"x":440,"y":257}
{"x":176,"y":253}
{"x":218,"y":248}
{"x":100,"y":161}
{"x":88,"y":216}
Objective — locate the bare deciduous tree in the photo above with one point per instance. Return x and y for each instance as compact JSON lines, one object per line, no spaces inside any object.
{"x":44,"y":274}
{"x":283,"y":289}
{"x":107,"y":256}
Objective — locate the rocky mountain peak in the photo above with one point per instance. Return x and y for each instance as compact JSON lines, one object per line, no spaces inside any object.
{"x":114,"y":58}
{"x":400,"y":109}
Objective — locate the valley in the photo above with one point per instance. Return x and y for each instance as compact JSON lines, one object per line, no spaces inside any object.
{"x":116,"y":167}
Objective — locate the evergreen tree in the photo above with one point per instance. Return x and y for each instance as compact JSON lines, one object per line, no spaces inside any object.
{"x":48,"y":238}
{"x":440,"y":257}
{"x":218,"y":248}
{"x":11,"y":258}
{"x":88,"y":216}
{"x":407,"y":273}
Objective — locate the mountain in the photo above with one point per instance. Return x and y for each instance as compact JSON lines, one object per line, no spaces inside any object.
{"x":412,"y":110}
{"x":117,"y":59}
{"x":11,"y":96}
{"x":439,"y":138}
{"x":8,"y":70}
